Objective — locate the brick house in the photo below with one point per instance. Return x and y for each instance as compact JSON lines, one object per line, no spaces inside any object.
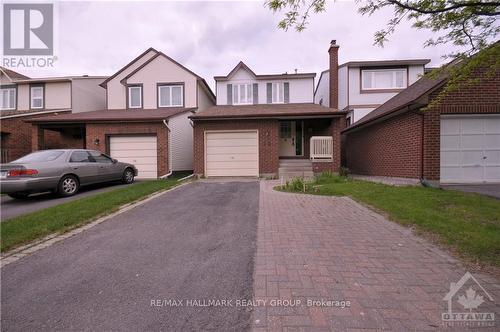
{"x":24,"y":98}
{"x":455,"y":139}
{"x":145,"y":121}
{"x":267,"y":125}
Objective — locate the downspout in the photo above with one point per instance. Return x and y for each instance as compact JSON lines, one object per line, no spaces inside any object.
{"x":169,"y":159}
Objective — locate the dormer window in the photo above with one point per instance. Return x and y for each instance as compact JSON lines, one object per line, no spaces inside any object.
{"x":170,"y":95}
{"x":242,"y":94}
{"x":135,"y":96}
{"x":384,"y":79}
{"x":278,"y":93}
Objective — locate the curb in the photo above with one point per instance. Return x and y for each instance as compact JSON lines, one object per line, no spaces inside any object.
{"x":30,"y":248}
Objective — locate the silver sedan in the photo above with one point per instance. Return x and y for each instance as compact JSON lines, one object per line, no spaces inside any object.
{"x":61,"y":171}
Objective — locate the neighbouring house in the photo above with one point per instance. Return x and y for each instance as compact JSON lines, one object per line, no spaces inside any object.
{"x":423,"y":133}
{"x":266,"y":125}
{"x":365,"y":85}
{"x":24,"y":98}
{"x":145,"y":122}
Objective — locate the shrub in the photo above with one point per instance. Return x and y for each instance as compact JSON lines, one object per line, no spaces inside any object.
{"x":344,"y":171}
{"x":297,"y":184}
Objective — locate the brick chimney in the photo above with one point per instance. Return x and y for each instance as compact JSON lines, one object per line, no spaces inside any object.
{"x":334,"y":74}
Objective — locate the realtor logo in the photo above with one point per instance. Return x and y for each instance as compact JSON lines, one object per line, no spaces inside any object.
{"x":28,"y":29}
{"x":469,"y":294}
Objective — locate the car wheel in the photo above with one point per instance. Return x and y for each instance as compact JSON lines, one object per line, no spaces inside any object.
{"x":18,"y":195}
{"x":68,"y":186}
{"x":128,"y":176}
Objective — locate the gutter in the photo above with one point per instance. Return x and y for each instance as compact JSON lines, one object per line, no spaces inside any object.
{"x":169,"y":159}
{"x":33,"y":113}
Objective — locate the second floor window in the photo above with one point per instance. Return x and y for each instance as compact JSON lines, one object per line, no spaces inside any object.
{"x":36,"y":97}
{"x":278,"y":92}
{"x":8,"y":98}
{"x":242,"y":94}
{"x":135,"y":97}
{"x":379,"y":79}
{"x":170,"y":96}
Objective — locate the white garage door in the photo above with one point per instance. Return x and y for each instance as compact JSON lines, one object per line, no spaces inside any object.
{"x":138,"y":150}
{"x":470,"y":149}
{"x":234,"y":153}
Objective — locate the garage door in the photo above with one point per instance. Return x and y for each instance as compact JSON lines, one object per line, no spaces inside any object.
{"x":234,"y":153}
{"x":470,"y":149}
{"x":138,"y":150}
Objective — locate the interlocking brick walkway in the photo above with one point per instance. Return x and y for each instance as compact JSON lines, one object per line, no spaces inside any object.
{"x":332,"y":248}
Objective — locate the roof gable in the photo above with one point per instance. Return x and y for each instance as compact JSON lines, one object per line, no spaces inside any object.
{"x":242,"y":66}
{"x":157,"y":56}
{"x":12,"y":75}
{"x":143,"y":54}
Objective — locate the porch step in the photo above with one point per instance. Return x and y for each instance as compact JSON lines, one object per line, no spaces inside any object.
{"x":295,"y":162}
{"x":293,"y":168}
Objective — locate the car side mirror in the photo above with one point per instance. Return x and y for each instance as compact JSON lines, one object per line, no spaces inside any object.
{"x":115,"y":161}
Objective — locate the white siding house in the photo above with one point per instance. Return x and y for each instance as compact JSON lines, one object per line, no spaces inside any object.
{"x":243,"y":86}
{"x":365,"y":85}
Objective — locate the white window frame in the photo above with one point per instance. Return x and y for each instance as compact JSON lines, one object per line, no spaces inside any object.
{"x":237,"y":100}
{"x":129,"y":88}
{"x":393,"y":70}
{"x":170,"y":89}
{"x":32,"y":98}
{"x":14,"y":101}
{"x":281,"y":92}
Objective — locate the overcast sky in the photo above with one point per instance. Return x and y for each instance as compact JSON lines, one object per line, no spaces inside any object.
{"x":98,"y":38}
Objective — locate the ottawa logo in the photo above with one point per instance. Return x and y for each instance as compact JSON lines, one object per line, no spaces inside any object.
{"x":469,"y":294}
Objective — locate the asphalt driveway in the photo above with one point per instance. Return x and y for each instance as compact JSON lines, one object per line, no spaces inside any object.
{"x":194,"y":243}
{"x":11,"y":207}
{"x":492,"y":190}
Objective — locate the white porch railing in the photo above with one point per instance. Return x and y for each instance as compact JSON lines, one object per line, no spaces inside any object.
{"x":321,"y":148}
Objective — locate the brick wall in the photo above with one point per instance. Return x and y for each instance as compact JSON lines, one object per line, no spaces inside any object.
{"x":392,"y":147}
{"x":389,"y":148}
{"x":268,"y":142}
{"x":17,"y":138}
{"x":102,"y":130}
{"x":476,"y":98}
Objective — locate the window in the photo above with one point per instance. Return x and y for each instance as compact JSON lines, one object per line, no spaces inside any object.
{"x":8,"y":96}
{"x":36,"y":97}
{"x":285,"y":129}
{"x":242,"y":94}
{"x":40,"y":156}
{"x":278,"y":92}
{"x":379,"y":79}
{"x":100,"y":157}
{"x":135,"y":97}
{"x":79,"y":157}
{"x":170,"y":95}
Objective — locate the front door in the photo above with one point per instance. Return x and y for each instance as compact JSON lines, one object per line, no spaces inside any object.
{"x":291,"y":135}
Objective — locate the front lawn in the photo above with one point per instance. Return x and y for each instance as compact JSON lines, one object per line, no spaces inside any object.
{"x":64,"y":217}
{"x":468,"y":223}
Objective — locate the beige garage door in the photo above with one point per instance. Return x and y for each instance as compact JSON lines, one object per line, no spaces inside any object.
{"x":470,"y":149}
{"x":232,"y":153}
{"x":138,"y":150}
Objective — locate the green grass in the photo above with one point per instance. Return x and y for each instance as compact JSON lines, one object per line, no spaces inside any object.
{"x":468,"y":223}
{"x":64,"y":217}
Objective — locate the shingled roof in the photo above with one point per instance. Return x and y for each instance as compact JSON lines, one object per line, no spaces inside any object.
{"x":122,"y":115}
{"x":266,"y":111}
{"x":13,"y":75}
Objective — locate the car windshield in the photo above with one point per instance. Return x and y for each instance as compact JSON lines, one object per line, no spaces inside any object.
{"x":40,"y":156}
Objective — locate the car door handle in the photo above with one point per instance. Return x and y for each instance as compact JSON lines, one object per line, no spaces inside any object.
{"x":74,"y":167}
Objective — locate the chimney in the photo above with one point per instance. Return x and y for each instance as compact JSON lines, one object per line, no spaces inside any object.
{"x":334,"y":74}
